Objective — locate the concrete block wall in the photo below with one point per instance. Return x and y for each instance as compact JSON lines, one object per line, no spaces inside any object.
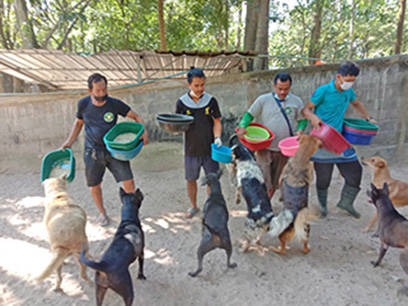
{"x":34,"y":124}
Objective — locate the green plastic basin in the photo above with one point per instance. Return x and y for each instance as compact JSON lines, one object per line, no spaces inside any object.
{"x":124,"y":136}
{"x":58,"y":163}
{"x":360,"y":124}
{"x":256,"y":133}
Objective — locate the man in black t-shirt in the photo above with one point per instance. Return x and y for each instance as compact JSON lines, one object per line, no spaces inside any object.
{"x":99,"y":113}
{"x":205,"y":129}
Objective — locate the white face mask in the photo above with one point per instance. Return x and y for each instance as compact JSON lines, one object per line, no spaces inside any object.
{"x":193,"y":94}
{"x":346,"y":85}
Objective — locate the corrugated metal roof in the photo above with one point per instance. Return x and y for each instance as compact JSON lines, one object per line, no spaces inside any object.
{"x":61,"y":70}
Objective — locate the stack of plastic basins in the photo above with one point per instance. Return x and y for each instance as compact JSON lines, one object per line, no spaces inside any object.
{"x":124,"y":150}
{"x":358,"y":131}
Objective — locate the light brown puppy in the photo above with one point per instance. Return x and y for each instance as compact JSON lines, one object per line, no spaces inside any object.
{"x":65,"y":222}
{"x":398,"y":189}
{"x":297,"y":176}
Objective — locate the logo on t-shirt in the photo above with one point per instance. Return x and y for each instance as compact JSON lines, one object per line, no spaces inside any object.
{"x":288,"y":110}
{"x":108,"y":117}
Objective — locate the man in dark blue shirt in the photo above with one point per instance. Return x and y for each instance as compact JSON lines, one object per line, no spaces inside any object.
{"x":99,"y":113}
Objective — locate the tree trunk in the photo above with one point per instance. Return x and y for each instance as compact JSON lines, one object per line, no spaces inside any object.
{"x":314,"y":46}
{"x":161,"y":26}
{"x":261,"y":43}
{"x":24,"y":24}
{"x":351,"y":32}
{"x":238,"y":44}
{"x":251,"y":24}
{"x":400,"y":28}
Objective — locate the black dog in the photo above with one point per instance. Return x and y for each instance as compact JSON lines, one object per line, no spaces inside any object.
{"x":127,"y":245}
{"x":250,"y":182}
{"x":392,"y":227}
{"x":215,"y":232}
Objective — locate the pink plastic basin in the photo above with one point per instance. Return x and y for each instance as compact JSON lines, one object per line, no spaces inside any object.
{"x":289,"y":145}
{"x":332,"y":140}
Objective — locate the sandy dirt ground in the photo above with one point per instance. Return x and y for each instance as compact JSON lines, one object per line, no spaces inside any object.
{"x":337,"y":271}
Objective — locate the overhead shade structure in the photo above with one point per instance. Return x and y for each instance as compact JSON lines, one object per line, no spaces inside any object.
{"x":59,"y":70}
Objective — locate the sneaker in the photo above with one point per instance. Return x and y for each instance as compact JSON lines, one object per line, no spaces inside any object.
{"x":103,"y":220}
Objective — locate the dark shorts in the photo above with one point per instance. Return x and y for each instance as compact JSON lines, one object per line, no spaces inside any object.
{"x":192,"y":166}
{"x":271,"y":164}
{"x":96,"y":161}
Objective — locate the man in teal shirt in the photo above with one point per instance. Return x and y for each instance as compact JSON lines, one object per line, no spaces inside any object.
{"x":328,"y":104}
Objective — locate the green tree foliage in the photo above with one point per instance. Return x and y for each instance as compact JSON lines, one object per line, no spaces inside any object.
{"x":349,"y":29}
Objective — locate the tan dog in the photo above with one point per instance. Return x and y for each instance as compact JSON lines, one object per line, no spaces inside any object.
{"x":65,"y":222}
{"x":398,"y":190}
{"x":294,"y":220}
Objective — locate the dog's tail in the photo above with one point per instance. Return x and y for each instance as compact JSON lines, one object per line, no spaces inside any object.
{"x":57,"y":261}
{"x":100,"y":266}
{"x":302,"y":222}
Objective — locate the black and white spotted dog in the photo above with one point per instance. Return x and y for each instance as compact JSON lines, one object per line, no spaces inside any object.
{"x":250,"y":182}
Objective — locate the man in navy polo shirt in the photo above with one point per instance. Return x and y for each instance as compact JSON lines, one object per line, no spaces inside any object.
{"x":205,"y":129}
{"x":99,"y":113}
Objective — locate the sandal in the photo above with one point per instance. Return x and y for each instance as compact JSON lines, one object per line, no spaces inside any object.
{"x":191,"y":212}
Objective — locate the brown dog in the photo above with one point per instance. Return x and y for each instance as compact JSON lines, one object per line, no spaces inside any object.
{"x":398,"y":190}
{"x":65,"y":221}
{"x":294,"y":182}
{"x":392,"y":227}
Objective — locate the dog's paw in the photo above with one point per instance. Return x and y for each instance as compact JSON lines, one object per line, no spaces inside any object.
{"x":374,"y":263}
{"x":141,"y":276}
{"x":232,"y":265}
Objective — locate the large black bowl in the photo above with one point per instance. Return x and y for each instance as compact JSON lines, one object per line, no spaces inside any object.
{"x":177,"y":118}
{"x":174,"y":123}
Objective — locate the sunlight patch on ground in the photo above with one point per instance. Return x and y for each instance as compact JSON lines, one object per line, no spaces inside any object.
{"x":95,"y":232}
{"x":162,"y":223}
{"x":238,"y":213}
{"x":147,"y":228}
{"x":29,"y":202}
{"x":22,"y":258}
{"x":163,"y":258}
{"x":148,"y":254}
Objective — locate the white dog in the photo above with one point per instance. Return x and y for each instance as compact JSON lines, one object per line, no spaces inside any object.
{"x":65,"y":222}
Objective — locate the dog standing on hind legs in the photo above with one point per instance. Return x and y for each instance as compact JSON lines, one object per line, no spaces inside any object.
{"x":297,"y":175}
{"x":215,"y":233}
{"x":128,"y":244}
{"x":398,"y":190}
{"x":65,"y":222}
{"x":392,"y":227}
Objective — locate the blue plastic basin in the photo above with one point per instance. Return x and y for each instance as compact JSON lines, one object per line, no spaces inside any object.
{"x":125,"y":155}
{"x":221,"y":154}
{"x":357,"y":138}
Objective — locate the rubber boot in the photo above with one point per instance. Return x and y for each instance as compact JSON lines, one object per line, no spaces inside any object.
{"x":322,"y":197}
{"x":279,"y":223}
{"x":348,"y":195}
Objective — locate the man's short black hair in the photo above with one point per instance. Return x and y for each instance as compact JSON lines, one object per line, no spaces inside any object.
{"x":283,"y":77}
{"x":349,"y":68}
{"x":195,"y":73}
{"x":96,"y":77}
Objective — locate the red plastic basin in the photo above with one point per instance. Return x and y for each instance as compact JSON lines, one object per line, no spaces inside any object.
{"x":257,"y":145}
{"x":332,"y":140}
{"x":289,"y":145}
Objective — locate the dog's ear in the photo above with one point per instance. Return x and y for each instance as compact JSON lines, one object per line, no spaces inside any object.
{"x":63,"y":177}
{"x":139,"y":194}
{"x":121,"y":192}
